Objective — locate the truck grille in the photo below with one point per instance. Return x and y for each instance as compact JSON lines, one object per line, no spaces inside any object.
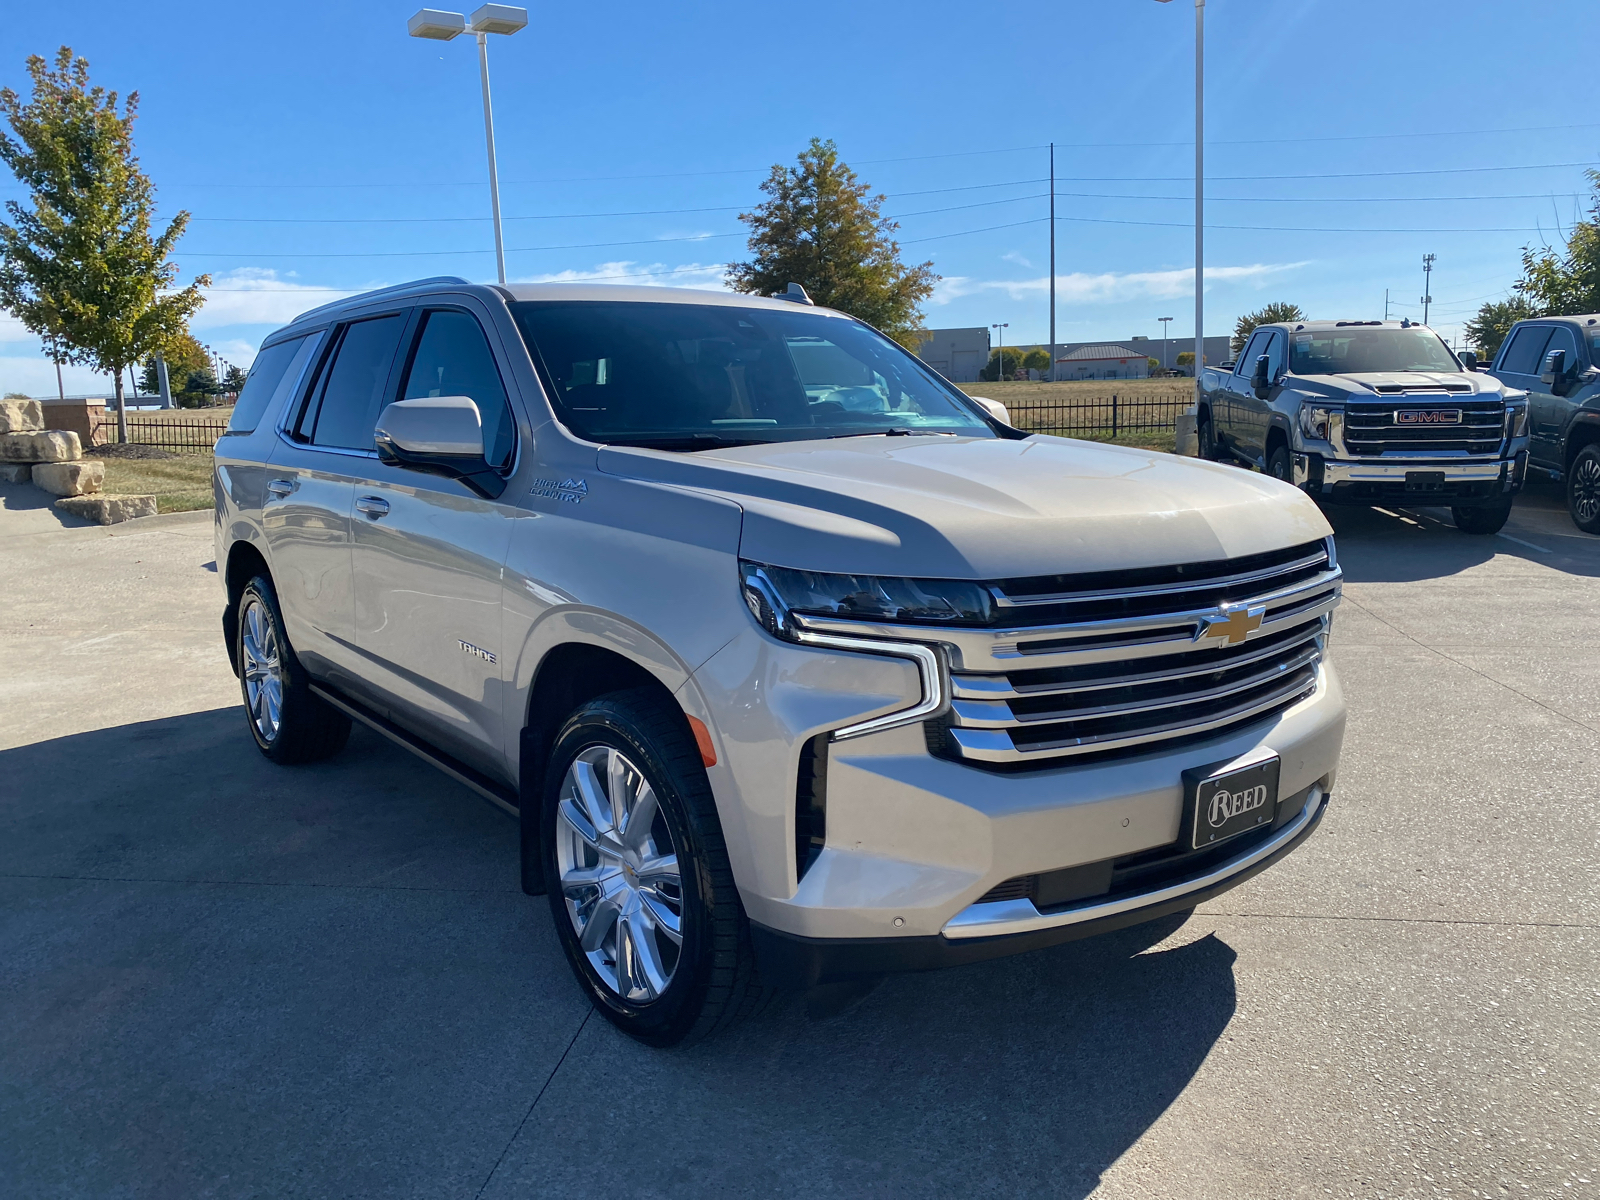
{"x":1171,"y":654}
{"x":1413,"y":423}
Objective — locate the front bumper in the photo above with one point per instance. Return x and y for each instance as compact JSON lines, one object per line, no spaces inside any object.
{"x":1367,"y":480}
{"x":790,"y":961}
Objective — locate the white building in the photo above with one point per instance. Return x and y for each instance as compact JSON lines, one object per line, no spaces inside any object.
{"x":957,"y":354}
{"x":1103,"y":362}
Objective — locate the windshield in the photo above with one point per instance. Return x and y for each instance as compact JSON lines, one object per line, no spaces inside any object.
{"x":683,"y":376}
{"x":1353,"y":351}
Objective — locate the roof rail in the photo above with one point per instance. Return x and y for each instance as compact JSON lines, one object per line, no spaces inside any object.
{"x":376,"y":292}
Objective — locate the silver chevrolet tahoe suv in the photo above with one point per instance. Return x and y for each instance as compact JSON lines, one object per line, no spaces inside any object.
{"x":1370,"y":412}
{"x":797,"y":666}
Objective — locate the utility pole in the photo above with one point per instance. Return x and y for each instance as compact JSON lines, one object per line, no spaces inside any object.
{"x":1427,"y":285}
{"x":1385,"y":304}
{"x":1165,"y":327}
{"x":1052,"y":262}
{"x":1199,"y":195}
{"x":1000,"y":358}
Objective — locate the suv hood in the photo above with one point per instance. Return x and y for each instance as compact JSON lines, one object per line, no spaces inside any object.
{"x":1371,"y":381}
{"x":979,"y":508}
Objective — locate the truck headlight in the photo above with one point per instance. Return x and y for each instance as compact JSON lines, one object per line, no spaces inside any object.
{"x":1516,"y":420}
{"x":1314,"y":422}
{"x":777,"y":594}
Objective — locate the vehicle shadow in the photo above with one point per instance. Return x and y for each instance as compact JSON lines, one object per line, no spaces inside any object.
{"x":1403,"y":544}
{"x":227,"y":975}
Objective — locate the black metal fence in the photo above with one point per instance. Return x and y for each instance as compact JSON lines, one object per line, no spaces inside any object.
{"x":1099,"y":416}
{"x":186,"y":435}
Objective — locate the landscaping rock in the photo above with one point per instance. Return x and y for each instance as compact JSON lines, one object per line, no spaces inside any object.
{"x":21,"y":416}
{"x":70,"y":478}
{"x":108,"y":510}
{"x":16,"y":473}
{"x":52,"y":445}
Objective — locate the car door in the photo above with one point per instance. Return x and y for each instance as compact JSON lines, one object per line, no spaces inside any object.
{"x":1548,"y":413}
{"x":1239,"y":394}
{"x":428,"y":553}
{"x":310,"y":487}
{"x":1257,"y":412}
{"x":1519,"y":366}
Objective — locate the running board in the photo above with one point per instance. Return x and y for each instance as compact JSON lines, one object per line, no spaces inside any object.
{"x":501,"y":797}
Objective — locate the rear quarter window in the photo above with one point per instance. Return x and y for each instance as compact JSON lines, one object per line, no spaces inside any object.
{"x":273,"y":373}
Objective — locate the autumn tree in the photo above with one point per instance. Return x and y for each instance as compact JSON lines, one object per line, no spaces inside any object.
{"x":1278,"y":310}
{"x":79,"y":265}
{"x":823,"y":228}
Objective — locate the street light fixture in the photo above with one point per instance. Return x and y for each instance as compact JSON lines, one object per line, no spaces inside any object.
{"x":1165,"y":326}
{"x":1199,"y":190}
{"x":1000,"y":361}
{"x":440,"y":26}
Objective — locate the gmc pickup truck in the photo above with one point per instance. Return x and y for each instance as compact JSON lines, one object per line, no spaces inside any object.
{"x":1370,"y":412}
{"x":796,"y":666}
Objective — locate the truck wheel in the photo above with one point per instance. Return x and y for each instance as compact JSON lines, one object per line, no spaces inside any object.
{"x":1278,"y":463}
{"x":1583,"y":490}
{"x":289,"y":722}
{"x":641,"y":889}
{"x":1208,"y":439}
{"x":1487,"y":518}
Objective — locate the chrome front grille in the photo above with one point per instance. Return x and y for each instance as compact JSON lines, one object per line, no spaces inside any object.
{"x":1175,"y":653}
{"x":1395,"y":425}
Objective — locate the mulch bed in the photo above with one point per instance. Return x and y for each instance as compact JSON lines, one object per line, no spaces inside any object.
{"x":128,"y":450}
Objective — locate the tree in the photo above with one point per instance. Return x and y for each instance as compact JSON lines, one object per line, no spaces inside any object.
{"x":1566,"y":279}
{"x":821,"y":228}
{"x":1278,"y":310}
{"x":198,"y":386}
{"x":1494,"y":320}
{"x":233,"y":379}
{"x":1002,"y":368}
{"x":183,"y":353}
{"x":1037,"y":359}
{"x":80,"y":267}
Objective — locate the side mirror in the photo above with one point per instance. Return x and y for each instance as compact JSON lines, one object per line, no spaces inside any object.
{"x":1258,"y":380}
{"x":438,"y":435}
{"x":994,"y":408}
{"x":1469,"y":360}
{"x":1555,"y":372}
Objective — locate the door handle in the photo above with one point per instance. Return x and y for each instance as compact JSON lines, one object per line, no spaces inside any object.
{"x":373,"y":506}
{"x":279,"y":488}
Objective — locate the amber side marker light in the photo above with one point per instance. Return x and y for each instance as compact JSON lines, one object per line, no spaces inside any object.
{"x":702,"y":739}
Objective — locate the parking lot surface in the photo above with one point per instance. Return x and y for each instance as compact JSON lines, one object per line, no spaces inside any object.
{"x":223,"y":978}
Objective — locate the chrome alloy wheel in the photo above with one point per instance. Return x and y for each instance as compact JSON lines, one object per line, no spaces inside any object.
{"x":261,"y":663}
{"x":619,"y":874}
{"x":1586,"y":488}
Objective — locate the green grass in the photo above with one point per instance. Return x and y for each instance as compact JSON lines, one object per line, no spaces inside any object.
{"x":181,"y":484}
{"x":1029,"y":405}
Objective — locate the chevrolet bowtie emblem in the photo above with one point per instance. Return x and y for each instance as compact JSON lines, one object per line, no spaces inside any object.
{"x":1235,"y":624}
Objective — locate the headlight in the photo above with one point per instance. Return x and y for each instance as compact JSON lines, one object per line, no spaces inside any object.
{"x":776,"y":594}
{"x":1516,"y":420}
{"x":1314,"y":422}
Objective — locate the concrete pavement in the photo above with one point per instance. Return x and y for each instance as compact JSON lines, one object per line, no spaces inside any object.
{"x":225,"y":978}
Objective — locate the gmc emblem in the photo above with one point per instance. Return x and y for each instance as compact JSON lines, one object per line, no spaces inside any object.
{"x":1427,"y":416}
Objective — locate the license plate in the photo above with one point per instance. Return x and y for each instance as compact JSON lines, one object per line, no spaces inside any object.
{"x":1230,"y":799}
{"x":1424,"y":481}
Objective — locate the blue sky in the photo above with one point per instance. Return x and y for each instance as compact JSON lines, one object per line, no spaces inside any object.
{"x":321,"y":150}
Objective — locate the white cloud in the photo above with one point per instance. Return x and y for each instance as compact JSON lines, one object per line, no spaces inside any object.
{"x":1109,"y":287}
{"x":704,"y":276}
{"x":258,"y":296}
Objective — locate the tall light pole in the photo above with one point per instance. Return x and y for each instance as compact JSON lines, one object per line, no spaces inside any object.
{"x":1427,"y":285}
{"x":1000,"y":359}
{"x":1199,"y":190}
{"x":1052,"y":262}
{"x":490,"y":18}
{"x":1165,"y":326}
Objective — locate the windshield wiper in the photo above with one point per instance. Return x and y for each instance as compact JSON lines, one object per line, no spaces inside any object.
{"x":690,"y":441}
{"x":897,"y":431}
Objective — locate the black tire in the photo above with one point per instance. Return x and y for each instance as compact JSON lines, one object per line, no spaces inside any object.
{"x":1583,"y":489}
{"x":307,"y":728}
{"x":1208,"y":438}
{"x":1278,"y":465}
{"x":1483,"y":519}
{"x":712,"y":981}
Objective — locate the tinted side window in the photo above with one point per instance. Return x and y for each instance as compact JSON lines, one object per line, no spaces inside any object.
{"x":1560,"y":339}
{"x":453,"y":359}
{"x":1274,"y":353}
{"x":270,"y":376}
{"x":353,"y":384}
{"x":1527,"y":347}
{"x":1246,"y":365}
